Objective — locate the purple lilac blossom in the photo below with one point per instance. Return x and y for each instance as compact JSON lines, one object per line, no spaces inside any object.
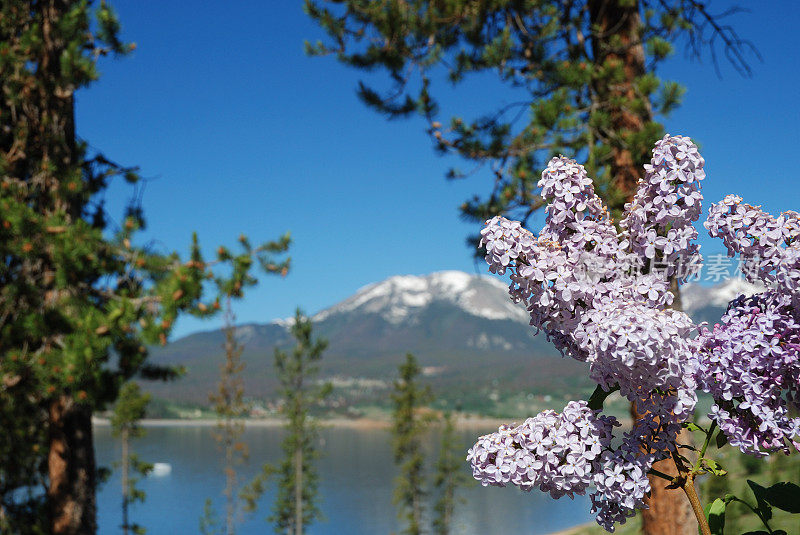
{"x":583,"y":285}
{"x":557,"y":453}
{"x":640,"y":348}
{"x":621,"y":486}
{"x":769,"y":246}
{"x":659,"y":221}
{"x":578,"y":273}
{"x":581,"y":282}
{"x":750,"y":363}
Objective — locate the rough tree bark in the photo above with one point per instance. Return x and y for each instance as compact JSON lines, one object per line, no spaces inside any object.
{"x":71,"y":463}
{"x":613,"y":19}
{"x":669,"y":511}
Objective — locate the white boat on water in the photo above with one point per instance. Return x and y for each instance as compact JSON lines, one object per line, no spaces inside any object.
{"x":161,"y":469}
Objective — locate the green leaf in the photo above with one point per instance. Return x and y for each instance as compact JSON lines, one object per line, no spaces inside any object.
{"x":784,"y":496}
{"x":693,"y":427}
{"x":722,"y":439}
{"x":716,"y":516}
{"x":763,"y":507}
{"x":714,"y":467}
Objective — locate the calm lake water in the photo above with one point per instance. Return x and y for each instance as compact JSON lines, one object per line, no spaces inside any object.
{"x":357,"y":475}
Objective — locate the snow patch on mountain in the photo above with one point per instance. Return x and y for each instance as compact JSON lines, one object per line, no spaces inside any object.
{"x":399,"y":298}
{"x":484,"y":341}
{"x":694,"y":296}
{"x":283,"y":322}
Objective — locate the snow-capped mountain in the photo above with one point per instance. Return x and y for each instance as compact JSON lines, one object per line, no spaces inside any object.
{"x":708,"y":303}
{"x":460,"y":324}
{"x":456,"y":323}
{"x":401,"y":298}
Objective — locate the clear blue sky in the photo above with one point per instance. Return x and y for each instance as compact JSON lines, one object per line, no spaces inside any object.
{"x":239,"y":132}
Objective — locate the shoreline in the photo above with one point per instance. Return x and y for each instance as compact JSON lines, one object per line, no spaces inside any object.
{"x":575,"y":529}
{"x":468,"y":423}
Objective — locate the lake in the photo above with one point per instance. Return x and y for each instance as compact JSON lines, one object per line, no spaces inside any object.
{"x":357,"y":475}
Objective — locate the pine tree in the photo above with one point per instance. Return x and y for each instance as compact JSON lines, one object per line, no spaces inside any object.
{"x":295,"y":506}
{"x":128,"y":411}
{"x":579,"y":79}
{"x":450,"y":475}
{"x":231,"y":408}
{"x":209,"y":523}
{"x":23,"y":468}
{"x":75,"y":290}
{"x":409,"y":425}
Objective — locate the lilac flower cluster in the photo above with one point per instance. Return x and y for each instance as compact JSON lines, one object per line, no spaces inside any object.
{"x":769,"y":246}
{"x":577,"y":282}
{"x":576,"y":216}
{"x":641,"y":348}
{"x":564,"y":454}
{"x":750,"y":363}
{"x":558,"y":453}
{"x":621,"y":483}
{"x":658,"y":222}
{"x":580,"y":282}
{"x":621,"y":487}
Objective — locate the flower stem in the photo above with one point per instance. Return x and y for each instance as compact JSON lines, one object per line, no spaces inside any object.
{"x":660,"y":474}
{"x":697,"y":507}
{"x":708,"y":439}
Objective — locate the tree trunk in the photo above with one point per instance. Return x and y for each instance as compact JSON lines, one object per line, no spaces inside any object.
{"x":417,"y":505}
{"x":71,"y":467}
{"x":623,"y":22}
{"x":298,"y":491}
{"x":230,"y":480}
{"x":448,"y":508}
{"x":670,"y":512}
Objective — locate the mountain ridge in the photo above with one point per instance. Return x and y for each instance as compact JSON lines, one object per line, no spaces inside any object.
{"x":463,"y":326}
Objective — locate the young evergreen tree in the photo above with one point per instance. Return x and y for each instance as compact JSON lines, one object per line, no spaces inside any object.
{"x":231,"y":408}
{"x":409,"y":424}
{"x":128,"y":411}
{"x":209,"y":523}
{"x":74,"y":290}
{"x":450,"y":475}
{"x":295,"y":506}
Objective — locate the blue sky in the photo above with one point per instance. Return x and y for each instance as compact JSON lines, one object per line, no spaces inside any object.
{"x":238,"y":132}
